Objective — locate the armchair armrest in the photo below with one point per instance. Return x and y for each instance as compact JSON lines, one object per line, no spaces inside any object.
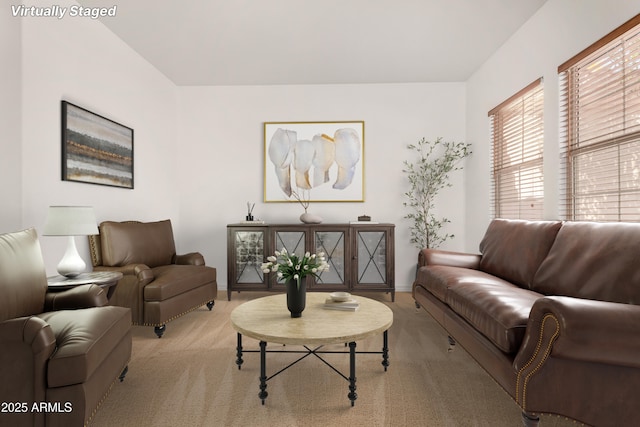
{"x":83,"y":296}
{"x":142,"y":272}
{"x":584,"y":330}
{"x":452,"y":259}
{"x":27,"y":343}
{"x":192,"y":258}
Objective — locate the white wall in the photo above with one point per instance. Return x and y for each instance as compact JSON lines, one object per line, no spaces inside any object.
{"x":558,"y":31}
{"x":199,"y":150}
{"x":222,"y":156}
{"x":81,"y":61}
{"x":10,"y":107}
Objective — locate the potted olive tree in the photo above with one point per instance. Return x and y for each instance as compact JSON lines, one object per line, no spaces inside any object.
{"x":428,"y":174}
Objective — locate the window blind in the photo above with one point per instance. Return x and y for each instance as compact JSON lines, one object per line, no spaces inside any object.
{"x":600,"y":129}
{"x":517,"y":133}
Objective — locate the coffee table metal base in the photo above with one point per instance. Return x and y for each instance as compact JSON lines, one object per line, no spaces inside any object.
{"x":317,"y":351}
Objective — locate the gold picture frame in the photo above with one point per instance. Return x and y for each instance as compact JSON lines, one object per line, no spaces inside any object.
{"x":314,"y":161}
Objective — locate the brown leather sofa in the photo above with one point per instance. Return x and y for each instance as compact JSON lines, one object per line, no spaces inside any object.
{"x":157,"y":285}
{"x":59,"y":355}
{"x":550,"y":310}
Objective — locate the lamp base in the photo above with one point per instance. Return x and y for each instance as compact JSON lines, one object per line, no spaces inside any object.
{"x":71,"y":263}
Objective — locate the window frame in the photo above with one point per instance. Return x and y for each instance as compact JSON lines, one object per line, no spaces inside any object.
{"x":525,"y":109}
{"x":588,"y":137}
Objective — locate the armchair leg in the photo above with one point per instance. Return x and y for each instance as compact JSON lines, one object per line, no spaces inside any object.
{"x":159,"y":330}
{"x":210,"y":305}
{"x":124,"y":373}
{"x":452,"y":344}
{"x":529,"y":419}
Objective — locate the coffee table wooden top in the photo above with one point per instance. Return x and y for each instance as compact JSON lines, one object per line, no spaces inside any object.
{"x":267,"y":319}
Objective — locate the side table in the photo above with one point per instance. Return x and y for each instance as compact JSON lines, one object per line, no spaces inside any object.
{"x":105,"y":279}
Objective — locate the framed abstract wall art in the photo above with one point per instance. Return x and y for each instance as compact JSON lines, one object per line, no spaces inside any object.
{"x":95,"y":150}
{"x":314,"y":161}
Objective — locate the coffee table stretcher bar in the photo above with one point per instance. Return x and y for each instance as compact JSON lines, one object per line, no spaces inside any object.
{"x":262,"y":311}
{"x":316,"y":352}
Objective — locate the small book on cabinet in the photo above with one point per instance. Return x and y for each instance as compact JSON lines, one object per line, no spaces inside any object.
{"x":349,"y":305}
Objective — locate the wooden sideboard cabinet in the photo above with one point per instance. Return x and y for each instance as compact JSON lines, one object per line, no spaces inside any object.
{"x":360,"y":256}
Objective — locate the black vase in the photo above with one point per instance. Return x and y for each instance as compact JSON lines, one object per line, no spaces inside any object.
{"x":296,"y":296}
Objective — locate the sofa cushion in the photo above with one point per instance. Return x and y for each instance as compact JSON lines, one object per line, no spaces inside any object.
{"x":84,"y":338}
{"x":172,"y":280}
{"x":149,"y":243}
{"x":499,"y":310}
{"x":437,"y":279}
{"x":514,"y":249}
{"x":593,"y":261}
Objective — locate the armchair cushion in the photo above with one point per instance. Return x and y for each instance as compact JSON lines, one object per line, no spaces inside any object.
{"x":173,"y":280}
{"x":84,"y":338}
{"x":149,"y":243}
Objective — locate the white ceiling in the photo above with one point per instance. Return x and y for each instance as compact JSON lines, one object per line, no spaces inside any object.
{"x":264,"y":42}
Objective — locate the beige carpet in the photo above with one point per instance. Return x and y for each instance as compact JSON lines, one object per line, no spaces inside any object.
{"x":189,"y":378}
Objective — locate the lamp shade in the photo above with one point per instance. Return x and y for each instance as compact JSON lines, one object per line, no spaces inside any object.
{"x":70,"y":221}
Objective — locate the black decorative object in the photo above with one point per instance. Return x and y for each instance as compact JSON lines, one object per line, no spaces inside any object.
{"x":296,"y":296}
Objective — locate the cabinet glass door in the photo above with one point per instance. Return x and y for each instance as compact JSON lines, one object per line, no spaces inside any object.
{"x":249,"y":256}
{"x":293,"y":241}
{"x":372,"y":257}
{"x":332,"y":243}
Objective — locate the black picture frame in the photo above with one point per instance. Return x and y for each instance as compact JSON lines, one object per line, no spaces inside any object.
{"x":95,"y":149}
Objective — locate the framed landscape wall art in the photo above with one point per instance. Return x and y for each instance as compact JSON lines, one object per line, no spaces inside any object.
{"x":95,"y":150}
{"x":314,"y":161}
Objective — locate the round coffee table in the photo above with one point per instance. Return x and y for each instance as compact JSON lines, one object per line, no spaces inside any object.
{"x":268,"y":320}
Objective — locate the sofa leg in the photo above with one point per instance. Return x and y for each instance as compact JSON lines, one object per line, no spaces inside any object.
{"x":123,"y":373}
{"x":210,"y":305}
{"x":529,"y":419}
{"x":159,"y":330}
{"x":452,"y":344}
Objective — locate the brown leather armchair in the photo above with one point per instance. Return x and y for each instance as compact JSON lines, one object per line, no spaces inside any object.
{"x":157,"y":285}
{"x":60,"y":356}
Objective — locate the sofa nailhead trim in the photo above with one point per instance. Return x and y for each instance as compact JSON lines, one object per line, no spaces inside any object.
{"x":547,"y":351}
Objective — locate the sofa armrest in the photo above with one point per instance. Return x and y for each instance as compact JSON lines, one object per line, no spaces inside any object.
{"x":452,"y":259}
{"x":192,"y":258}
{"x":580,"y":329}
{"x":83,"y":296}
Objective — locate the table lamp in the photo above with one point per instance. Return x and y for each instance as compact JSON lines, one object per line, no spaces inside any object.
{"x":70,"y":221}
